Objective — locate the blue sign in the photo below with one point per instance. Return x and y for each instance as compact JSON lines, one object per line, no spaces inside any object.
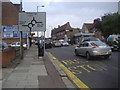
{"x":12,"y":32}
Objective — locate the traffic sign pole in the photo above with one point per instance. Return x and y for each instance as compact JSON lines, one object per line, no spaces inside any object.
{"x":21,"y":43}
{"x":21,"y":46}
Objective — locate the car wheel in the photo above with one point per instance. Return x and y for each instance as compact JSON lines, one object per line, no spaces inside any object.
{"x":106,"y":57}
{"x":76,"y":53}
{"x":88,"y":56}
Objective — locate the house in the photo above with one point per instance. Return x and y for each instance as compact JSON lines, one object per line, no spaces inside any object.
{"x":93,"y":28}
{"x":87,"y":28}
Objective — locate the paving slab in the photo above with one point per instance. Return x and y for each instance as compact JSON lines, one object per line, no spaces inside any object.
{"x":25,"y":75}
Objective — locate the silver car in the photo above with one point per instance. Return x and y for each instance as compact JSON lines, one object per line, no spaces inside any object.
{"x":93,"y":48}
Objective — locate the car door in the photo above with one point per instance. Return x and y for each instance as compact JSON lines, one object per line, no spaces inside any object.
{"x":80,"y":49}
{"x":85,"y":48}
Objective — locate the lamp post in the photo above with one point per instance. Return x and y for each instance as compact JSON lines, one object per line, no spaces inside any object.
{"x":41,"y":46}
{"x":37,"y":12}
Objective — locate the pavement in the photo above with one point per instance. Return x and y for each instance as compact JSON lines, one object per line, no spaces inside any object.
{"x":35,"y":72}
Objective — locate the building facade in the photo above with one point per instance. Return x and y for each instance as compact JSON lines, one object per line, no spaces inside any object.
{"x":64,"y":32}
{"x":87,"y":28}
{"x":10,"y":14}
{"x":0,"y":19}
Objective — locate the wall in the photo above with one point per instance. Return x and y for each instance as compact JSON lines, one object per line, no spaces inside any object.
{"x":0,"y":18}
{"x":10,"y":14}
{"x":11,"y":40}
{"x":8,"y":56}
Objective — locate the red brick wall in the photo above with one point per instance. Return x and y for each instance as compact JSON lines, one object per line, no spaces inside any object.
{"x":11,"y":40}
{"x":9,"y":14}
{"x":7,"y":56}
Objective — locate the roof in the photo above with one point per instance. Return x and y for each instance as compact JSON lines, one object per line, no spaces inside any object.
{"x":89,"y":26}
{"x":62,"y":28}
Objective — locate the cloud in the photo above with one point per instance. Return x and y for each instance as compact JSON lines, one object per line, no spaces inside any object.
{"x":48,"y":1}
{"x":77,"y":13}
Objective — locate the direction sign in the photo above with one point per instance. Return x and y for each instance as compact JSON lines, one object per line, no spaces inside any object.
{"x":12,"y":32}
{"x":32,"y":21}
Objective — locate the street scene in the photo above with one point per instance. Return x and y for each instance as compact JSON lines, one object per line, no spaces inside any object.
{"x":59,"y":44}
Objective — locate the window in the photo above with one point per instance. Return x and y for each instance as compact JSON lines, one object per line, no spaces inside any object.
{"x":98,"y":44}
{"x":3,"y":45}
{"x":85,"y":45}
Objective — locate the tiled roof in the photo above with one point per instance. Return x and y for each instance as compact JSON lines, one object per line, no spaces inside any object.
{"x":89,"y":26}
{"x":62,"y":28}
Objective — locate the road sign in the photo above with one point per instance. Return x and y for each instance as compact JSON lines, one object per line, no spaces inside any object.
{"x":32,"y":21}
{"x":12,"y":32}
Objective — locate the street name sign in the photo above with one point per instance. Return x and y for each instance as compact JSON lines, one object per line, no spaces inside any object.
{"x":32,"y":21}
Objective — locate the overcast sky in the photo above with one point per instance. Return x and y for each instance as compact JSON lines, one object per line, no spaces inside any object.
{"x":73,"y":11}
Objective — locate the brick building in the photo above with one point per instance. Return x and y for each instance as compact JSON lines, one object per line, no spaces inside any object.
{"x":64,"y":32}
{"x":0,"y":18}
{"x":10,"y":14}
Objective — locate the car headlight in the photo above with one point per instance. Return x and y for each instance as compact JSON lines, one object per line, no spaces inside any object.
{"x":110,"y":50}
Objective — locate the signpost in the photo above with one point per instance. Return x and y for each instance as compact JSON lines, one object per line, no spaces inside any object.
{"x":32,"y":21}
{"x":12,"y":32}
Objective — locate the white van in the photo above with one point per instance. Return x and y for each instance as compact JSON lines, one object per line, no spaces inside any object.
{"x":113,"y":38}
{"x":112,"y":41}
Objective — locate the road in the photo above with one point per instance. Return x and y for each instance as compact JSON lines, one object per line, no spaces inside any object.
{"x":95,"y":73}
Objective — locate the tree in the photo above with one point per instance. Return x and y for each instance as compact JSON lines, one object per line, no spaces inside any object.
{"x":110,"y":24}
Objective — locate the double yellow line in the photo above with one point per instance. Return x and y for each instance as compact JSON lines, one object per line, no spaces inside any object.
{"x":76,"y":80}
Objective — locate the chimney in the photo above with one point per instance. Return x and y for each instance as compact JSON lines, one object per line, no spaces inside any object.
{"x":58,"y":26}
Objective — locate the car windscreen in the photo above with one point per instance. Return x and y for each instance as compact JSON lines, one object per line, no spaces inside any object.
{"x":110,"y":38}
{"x":63,"y":41}
{"x":3,"y":45}
{"x":57,"y":41}
{"x":98,"y":44}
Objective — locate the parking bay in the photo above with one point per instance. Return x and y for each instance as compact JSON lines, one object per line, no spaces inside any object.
{"x":96,"y":73}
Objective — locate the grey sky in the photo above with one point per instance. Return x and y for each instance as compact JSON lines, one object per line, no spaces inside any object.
{"x":77,"y":13}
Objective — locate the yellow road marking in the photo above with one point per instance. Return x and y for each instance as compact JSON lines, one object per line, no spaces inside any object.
{"x":100,"y":67}
{"x":91,"y":67}
{"x":82,"y":66}
{"x":76,"y":80}
{"x":74,"y":71}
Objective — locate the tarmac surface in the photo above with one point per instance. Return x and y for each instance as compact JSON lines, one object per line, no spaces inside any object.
{"x":35,"y":72}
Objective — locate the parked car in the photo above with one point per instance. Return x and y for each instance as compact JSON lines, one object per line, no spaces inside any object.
{"x":64,"y":43}
{"x":93,"y":48}
{"x":113,"y":46}
{"x":3,"y":45}
{"x":112,"y":41}
{"x":17,"y":44}
{"x":57,"y":43}
{"x":48,"y":43}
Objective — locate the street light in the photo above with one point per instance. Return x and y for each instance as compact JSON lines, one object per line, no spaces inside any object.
{"x":39,"y":6}
{"x":40,"y":48}
{"x":37,"y":11}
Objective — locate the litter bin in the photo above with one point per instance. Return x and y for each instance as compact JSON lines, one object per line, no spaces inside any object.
{"x":40,"y":49}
